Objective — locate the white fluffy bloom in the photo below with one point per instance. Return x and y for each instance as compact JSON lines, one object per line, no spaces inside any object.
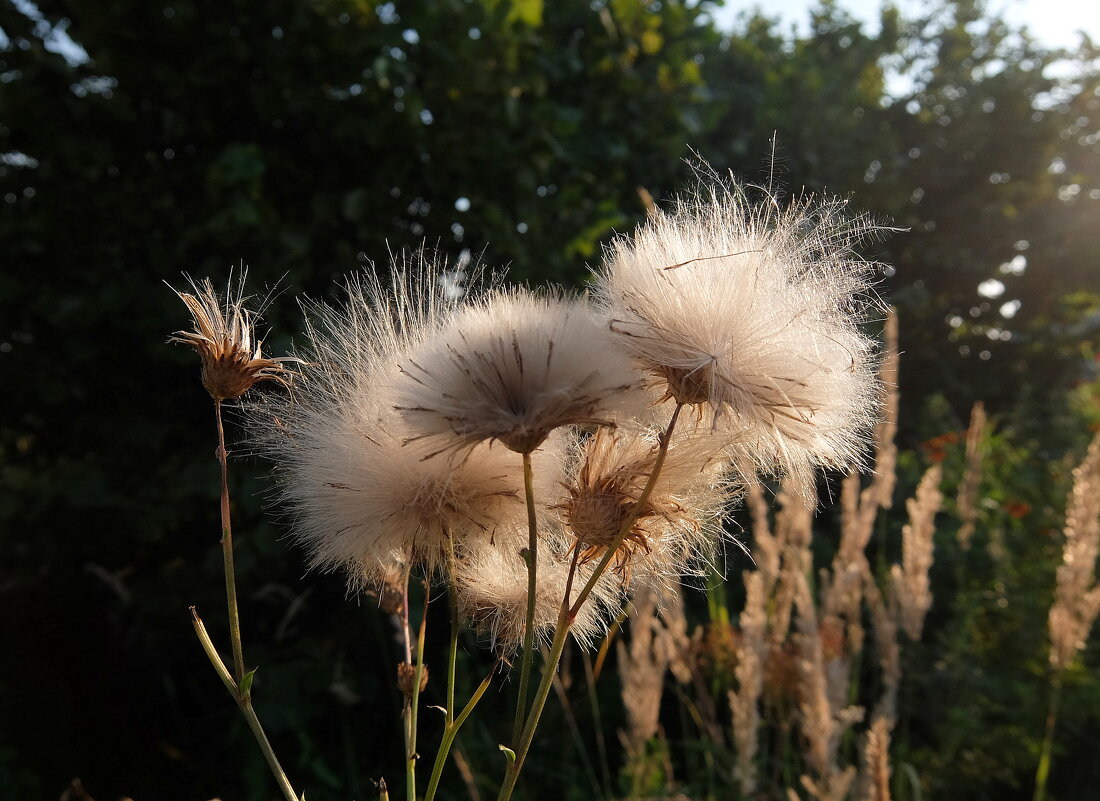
{"x":513,"y":366}
{"x":753,"y":311}
{"x":360,"y":497}
{"x":491,"y":589}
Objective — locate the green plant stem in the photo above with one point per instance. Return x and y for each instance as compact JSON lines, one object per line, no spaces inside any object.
{"x":227,"y":552}
{"x":529,"y":621}
{"x":597,"y":718}
{"x":569,"y":613}
{"x":450,"y":731}
{"x":452,"y":651}
{"x":414,"y":702}
{"x":605,"y":646}
{"x":1042,"y":773}
{"x":244,"y":703}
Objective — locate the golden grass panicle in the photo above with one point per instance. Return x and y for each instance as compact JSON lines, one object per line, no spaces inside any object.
{"x":225,"y":338}
{"x":910,"y":579}
{"x":967,"y":500}
{"x":751,"y":652}
{"x":1077,"y":594}
{"x":874,"y":778}
{"x":755,"y":312}
{"x":642,"y":666}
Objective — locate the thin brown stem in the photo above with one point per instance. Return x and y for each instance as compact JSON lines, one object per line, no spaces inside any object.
{"x":414,"y":702}
{"x":227,"y":552}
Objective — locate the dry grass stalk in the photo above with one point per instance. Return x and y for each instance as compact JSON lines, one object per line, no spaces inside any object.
{"x":751,"y":652}
{"x":912,"y":590}
{"x":874,"y":780}
{"x":833,"y":788}
{"x":767,"y":549}
{"x":884,"y":627}
{"x":794,"y":529}
{"x":967,"y":500}
{"x":823,"y":724}
{"x":642,"y":667}
{"x":842,"y":594}
{"x":1077,"y":596}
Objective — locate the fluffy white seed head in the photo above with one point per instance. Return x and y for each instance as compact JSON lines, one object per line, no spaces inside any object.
{"x":360,"y":497}
{"x":752,"y":311}
{"x":491,"y":589}
{"x":513,"y":366}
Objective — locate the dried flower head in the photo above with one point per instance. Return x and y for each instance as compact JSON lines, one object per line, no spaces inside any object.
{"x":670,"y":530}
{"x":513,"y":366}
{"x":753,"y":312}
{"x":361,"y":498}
{"x":406,"y":677}
{"x":225,"y":339}
{"x":491,"y":589}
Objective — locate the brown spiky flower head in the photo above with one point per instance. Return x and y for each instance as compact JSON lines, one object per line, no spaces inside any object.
{"x":224,"y":336}
{"x":736,"y":305}
{"x":667,"y":531}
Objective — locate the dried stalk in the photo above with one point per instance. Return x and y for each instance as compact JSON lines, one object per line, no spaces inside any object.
{"x":966,"y":502}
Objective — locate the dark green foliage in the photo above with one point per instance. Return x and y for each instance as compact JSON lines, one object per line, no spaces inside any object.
{"x":308,"y":139}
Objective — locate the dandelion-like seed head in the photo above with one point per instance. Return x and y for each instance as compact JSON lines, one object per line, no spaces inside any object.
{"x":753,"y":312}
{"x":361,"y":498}
{"x":513,"y":366}
{"x":225,"y":339}
{"x":491,"y":590}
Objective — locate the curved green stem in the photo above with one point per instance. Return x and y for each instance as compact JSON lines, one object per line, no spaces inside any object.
{"x":1042,"y":773}
{"x":532,"y":573}
{"x":243,"y":698}
{"x":451,"y":731}
{"x":452,"y":651}
{"x":568,"y":615}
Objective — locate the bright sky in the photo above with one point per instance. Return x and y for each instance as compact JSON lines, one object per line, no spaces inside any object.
{"x":1053,"y":23}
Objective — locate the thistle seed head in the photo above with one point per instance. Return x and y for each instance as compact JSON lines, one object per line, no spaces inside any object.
{"x":513,"y":366}
{"x":753,"y":312}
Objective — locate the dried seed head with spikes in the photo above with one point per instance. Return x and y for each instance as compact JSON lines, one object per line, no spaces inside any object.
{"x":225,"y":339}
{"x":669,"y":533}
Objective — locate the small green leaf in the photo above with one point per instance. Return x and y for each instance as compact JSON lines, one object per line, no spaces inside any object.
{"x":245,"y":686}
{"x":508,"y":752}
